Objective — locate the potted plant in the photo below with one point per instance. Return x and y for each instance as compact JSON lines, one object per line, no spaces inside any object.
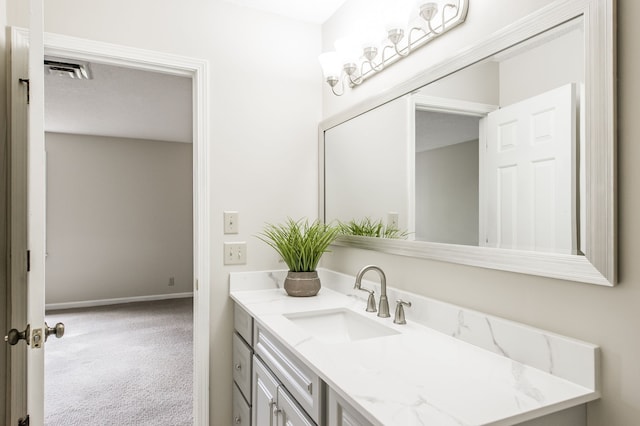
{"x":301,"y":244}
{"x":369,"y":228}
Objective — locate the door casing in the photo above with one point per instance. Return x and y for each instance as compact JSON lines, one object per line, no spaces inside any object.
{"x":111,"y":54}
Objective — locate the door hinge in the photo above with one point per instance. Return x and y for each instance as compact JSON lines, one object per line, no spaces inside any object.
{"x":23,"y":422}
{"x":26,"y":82}
{"x":28,"y":260}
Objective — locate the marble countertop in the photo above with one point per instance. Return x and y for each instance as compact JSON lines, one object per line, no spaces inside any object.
{"x":426,"y":373}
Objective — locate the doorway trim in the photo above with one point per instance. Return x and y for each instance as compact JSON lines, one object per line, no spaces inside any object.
{"x":198,"y":71}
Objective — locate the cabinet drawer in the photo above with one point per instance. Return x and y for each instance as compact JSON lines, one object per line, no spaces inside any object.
{"x":241,"y":410}
{"x":242,"y":366}
{"x":304,"y":385}
{"x":243,"y":323}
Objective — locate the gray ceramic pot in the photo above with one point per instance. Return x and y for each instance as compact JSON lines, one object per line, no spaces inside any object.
{"x":302,"y":284}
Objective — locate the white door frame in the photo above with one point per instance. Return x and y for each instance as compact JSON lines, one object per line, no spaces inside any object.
{"x":197,"y":70}
{"x":447,"y":106}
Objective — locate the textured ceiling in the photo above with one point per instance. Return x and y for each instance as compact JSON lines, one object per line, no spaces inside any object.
{"x":120,"y":102}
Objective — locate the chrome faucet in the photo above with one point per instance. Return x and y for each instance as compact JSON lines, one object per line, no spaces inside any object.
{"x":383,"y":308}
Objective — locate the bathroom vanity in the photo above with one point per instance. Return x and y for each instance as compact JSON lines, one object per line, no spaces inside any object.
{"x":323,"y":360}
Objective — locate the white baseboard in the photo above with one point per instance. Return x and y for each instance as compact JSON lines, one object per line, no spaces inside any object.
{"x":104,"y":302}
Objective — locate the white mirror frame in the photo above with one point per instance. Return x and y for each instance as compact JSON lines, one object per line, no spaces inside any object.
{"x":599,"y":264}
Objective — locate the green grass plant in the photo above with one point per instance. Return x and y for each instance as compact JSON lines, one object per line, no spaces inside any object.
{"x":369,"y":228}
{"x":300,"y":243}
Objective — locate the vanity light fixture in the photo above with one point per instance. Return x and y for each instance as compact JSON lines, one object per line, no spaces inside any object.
{"x":358,"y":57}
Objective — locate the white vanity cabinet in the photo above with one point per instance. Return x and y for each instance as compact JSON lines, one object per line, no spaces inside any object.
{"x":300,"y":381}
{"x":272,"y":404}
{"x":302,"y":377}
{"x":241,"y":360}
{"x":241,"y":409}
{"x":270,"y":383}
{"x":265,"y":397}
{"x":340,"y":413}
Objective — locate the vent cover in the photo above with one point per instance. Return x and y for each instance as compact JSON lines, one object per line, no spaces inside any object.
{"x":68,"y":69}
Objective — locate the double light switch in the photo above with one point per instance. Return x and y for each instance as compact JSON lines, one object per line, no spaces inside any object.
{"x":235,"y":253}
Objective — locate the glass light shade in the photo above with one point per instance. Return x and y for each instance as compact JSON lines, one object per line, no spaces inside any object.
{"x":349,"y":50}
{"x":330,"y":63}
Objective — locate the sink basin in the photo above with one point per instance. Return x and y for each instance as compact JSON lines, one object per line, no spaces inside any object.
{"x":339,"y":325}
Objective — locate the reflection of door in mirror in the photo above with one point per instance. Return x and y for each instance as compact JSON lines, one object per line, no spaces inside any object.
{"x":540,"y":213}
{"x":528,"y":174}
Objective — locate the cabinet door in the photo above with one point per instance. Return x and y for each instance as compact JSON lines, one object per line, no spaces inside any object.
{"x":241,"y":410}
{"x":342,"y":414}
{"x":289,"y":413}
{"x":265,"y":395}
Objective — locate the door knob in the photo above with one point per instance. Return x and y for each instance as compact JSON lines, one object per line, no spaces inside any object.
{"x":14,"y":336}
{"x":57,"y":330}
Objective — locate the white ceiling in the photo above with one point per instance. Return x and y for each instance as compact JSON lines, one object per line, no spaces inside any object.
{"x":442,"y":129}
{"x":120,"y":102}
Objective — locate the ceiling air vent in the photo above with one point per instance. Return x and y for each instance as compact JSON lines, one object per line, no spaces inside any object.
{"x":64,"y":68}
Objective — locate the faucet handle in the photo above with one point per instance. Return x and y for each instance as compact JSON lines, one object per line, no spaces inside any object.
{"x":371,"y":301}
{"x":399,"y":317}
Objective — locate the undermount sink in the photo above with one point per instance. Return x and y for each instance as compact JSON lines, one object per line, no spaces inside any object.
{"x":339,"y":325}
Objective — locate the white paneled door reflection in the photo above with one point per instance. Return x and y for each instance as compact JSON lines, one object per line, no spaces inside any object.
{"x":530,"y":174}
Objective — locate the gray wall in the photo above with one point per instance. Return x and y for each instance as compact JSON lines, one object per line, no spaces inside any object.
{"x":119,"y":218}
{"x":375,"y":184}
{"x":447,"y":194}
{"x":605,"y":316}
{"x":544,"y":68}
{"x":463,"y":85}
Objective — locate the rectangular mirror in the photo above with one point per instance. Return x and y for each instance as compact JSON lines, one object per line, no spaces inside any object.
{"x":488,"y":159}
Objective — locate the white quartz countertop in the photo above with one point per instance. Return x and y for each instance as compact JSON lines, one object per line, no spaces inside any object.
{"x":418,"y":376}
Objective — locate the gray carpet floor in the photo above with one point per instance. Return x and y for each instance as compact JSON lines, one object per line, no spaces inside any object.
{"x":129,"y":364}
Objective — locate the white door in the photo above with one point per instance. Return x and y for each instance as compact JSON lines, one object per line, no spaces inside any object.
{"x":28,"y":229}
{"x":528,"y":182}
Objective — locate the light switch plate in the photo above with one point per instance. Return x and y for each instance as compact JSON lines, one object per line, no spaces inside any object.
{"x":235,"y":253}
{"x":392,"y":220}
{"x":230,"y":222}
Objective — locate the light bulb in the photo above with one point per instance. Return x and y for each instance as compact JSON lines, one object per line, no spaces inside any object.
{"x":331,"y":66}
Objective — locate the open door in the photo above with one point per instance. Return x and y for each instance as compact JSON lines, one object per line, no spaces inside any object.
{"x":529,"y":166}
{"x":28,"y":207}
{"x":28,"y":196}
